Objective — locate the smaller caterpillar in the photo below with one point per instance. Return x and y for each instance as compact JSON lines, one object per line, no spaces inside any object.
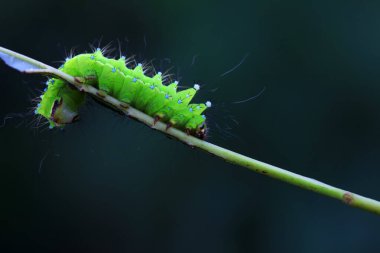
{"x":60,"y":102}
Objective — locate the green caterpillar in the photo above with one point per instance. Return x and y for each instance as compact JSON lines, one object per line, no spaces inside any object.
{"x":60,"y":102}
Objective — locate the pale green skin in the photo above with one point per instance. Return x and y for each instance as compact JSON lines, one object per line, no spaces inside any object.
{"x":131,"y":86}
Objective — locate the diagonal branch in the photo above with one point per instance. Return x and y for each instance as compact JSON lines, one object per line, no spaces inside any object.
{"x":346,"y":197}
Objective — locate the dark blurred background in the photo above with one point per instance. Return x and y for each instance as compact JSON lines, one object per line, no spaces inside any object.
{"x":109,"y":184}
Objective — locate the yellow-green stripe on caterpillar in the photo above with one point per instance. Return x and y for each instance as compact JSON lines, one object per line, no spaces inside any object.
{"x":60,"y":102}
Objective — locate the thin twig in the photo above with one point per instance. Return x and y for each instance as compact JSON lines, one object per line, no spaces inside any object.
{"x":346,"y":197}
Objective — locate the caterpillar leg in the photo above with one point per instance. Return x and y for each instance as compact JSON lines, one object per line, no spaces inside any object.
{"x":169,"y":125}
{"x":156,"y":119}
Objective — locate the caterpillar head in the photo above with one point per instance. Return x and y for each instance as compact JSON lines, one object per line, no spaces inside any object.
{"x":57,"y":112}
{"x":60,"y":103}
{"x":62,"y":114}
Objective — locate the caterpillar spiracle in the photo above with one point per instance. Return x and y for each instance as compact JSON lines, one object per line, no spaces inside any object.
{"x":60,"y":102}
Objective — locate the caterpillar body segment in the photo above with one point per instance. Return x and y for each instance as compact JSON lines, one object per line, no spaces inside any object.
{"x":60,"y":102}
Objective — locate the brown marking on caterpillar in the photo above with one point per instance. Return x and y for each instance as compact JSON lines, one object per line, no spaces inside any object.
{"x":348,"y":198}
{"x":55,"y":106}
